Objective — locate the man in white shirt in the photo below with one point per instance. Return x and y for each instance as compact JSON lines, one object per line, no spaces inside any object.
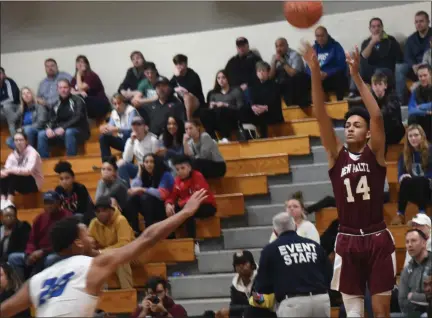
{"x":140,"y":143}
{"x":423,"y":223}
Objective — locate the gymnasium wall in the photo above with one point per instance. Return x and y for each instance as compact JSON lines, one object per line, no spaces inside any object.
{"x":204,"y":31}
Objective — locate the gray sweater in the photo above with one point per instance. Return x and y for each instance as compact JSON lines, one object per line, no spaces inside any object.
{"x":118,"y":190}
{"x":412,"y":282}
{"x":205,"y":148}
{"x":234,"y":98}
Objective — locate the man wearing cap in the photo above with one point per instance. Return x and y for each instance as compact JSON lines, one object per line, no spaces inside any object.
{"x":38,"y":253}
{"x":146,"y":92}
{"x":412,"y":298}
{"x":110,"y":229}
{"x":294,"y":274}
{"x":241,"y":67}
{"x":166,"y":104}
{"x":422,"y":223}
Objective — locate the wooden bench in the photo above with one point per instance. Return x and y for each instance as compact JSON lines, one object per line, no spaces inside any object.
{"x":141,"y":273}
{"x":335,"y":109}
{"x":118,"y":301}
{"x":170,"y":251}
{"x":307,"y":126}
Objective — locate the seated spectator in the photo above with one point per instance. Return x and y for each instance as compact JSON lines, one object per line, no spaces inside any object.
{"x":296,"y":208}
{"x":10,"y":283}
{"x":187,"y":84}
{"x":224,"y":104}
{"x":111,"y":230}
{"x":47,"y":94}
{"x":111,"y":185}
{"x":287,"y":69}
{"x":422,"y":223}
{"x":242,"y":283}
{"x":157,"y":303}
{"x":155,"y":114}
{"x":186,"y":183}
{"x":420,"y":104}
{"x":118,"y":130}
{"x":22,"y":172}
{"x":331,"y":57}
{"x":146,"y":91}
{"x":240,"y":68}
{"x":207,"y":158}
{"x":265,"y":107}
{"x":380,"y":52}
{"x":427,"y":57}
{"x":390,"y":106}
{"x":38,"y":253}
{"x":88,"y":84}
{"x":133,"y":76}
{"x":30,"y":116}
{"x":171,"y":140}
{"x":140,"y":143}
{"x":9,"y":100}
{"x":74,"y":196}
{"x":14,"y":233}
{"x":67,"y":123}
{"x":412,"y":299}
{"x":414,"y":172}
{"x":414,"y":49}
{"x":148,"y":192}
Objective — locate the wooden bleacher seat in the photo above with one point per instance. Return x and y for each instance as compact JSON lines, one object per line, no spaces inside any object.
{"x":307,"y":126}
{"x":118,"y":301}
{"x":249,"y":184}
{"x":268,"y":164}
{"x":141,"y":274}
{"x":335,"y":109}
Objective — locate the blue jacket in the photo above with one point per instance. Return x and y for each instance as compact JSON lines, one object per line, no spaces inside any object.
{"x":293,"y":265}
{"x":414,"y":50}
{"x":416,"y":165}
{"x":331,"y":57}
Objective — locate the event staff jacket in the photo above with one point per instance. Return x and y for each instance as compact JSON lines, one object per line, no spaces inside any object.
{"x":292,"y":266}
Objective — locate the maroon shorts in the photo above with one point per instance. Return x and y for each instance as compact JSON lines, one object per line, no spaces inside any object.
{"x":362,"y":259}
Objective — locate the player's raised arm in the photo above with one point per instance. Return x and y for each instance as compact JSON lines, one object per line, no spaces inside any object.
{"x":106,"y":264}
{"x":328,"y":136}
{"x":17,"y":303}
{"x":377,"y":139}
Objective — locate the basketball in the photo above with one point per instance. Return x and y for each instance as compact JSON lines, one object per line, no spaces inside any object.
{"x":303,"y":14}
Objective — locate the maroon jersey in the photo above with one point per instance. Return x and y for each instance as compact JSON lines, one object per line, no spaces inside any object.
{"x":358,"y":186}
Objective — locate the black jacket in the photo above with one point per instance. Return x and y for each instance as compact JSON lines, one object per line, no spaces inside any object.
{"x":77,"y":202}
{"x":9,"y":91}
{"x":17,"y":241}
{"x":131,"y":80}
{"x":390,"y":106}
{"x":192,"y":82}
{"x":242,"y":69}
{"x":70,"y":113}
{"x":268,"y":93}
{"x":385,"y":54}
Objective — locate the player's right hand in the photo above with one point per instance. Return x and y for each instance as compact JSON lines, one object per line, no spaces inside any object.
{"x":195,"y":201}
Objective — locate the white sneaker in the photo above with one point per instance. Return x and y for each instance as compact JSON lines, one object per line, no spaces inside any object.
{"x":197,"y":248}
{"x":223,"y":141}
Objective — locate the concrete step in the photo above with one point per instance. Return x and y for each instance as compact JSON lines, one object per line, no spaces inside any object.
{"x":220,"y":261}
{"x":197,"y":307}
{"x":201,"y":286}
{"x":312,"y":191}
{"x":247,"y":237}
{"x":310,"y":173}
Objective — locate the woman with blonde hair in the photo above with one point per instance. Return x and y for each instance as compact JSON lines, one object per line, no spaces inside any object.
{"x":296,"y":208}
{"x":414,"y":172}
{"x":30,"y":116}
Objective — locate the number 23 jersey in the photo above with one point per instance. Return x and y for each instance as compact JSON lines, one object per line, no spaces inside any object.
{"x":60,"y":290}
{"x":358,"y":185}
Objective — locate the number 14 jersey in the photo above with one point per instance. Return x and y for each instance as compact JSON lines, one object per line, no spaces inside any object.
{"x":60,"y":290}
{"x":358,"y":186}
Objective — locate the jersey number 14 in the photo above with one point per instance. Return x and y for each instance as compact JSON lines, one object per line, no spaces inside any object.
{"x":362,"y":188}
{"x":54,"y":287}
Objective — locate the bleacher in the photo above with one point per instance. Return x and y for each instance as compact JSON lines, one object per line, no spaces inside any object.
{"x":261,"y":175}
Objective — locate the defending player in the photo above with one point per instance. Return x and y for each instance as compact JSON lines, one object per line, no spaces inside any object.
{"x":364,"y":247}
{"x":70,"y":288}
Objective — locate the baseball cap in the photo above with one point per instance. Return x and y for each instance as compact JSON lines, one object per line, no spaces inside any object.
{"x":51,"y":196}
{"x":422,"y":219}
{"x":242,"y":257}
{"x":161,"y":80}
{"x":6,"y":204}
{"x":137,"y":120}
{"x":103,"y":202}
{"x":241,"y":41}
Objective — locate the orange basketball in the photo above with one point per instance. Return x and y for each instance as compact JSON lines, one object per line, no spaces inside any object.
{"x":303,"y":14}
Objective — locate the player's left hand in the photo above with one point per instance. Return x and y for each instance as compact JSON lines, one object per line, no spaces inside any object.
{"x":195,"y":201}
{"x":309,"y":55}
{"x":353,"y":61}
